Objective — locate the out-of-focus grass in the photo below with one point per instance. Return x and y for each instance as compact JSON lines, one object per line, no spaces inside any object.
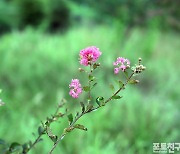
{"x":36,"y":68}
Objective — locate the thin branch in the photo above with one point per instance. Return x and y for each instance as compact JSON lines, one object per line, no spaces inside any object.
{"x":87,"y":111}
{"x":34,"y":143}
{"x":89,"y":82}
{"x":40,"y":135}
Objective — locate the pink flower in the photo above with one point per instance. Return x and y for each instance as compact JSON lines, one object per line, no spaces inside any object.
{"x":89,"y":55}
{"x":116,"y":70}
{"x":75,"y":88}
{"x":121,"y":64}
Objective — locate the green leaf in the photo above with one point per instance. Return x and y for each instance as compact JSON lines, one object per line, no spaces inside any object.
{"x":120,"y":83}
{"x":91,"y":77}
{"x":126,"y":74}
{"x":133,"y":81}
{"x":59,"y":115}
{"x":77,"y":114}
{"x":54,"y":138}
{"x":14,"y":147}
{"x":94,"y":85}
{"x":112,"y":87}
{"x":116,"y":97}
{"x":100,"y":101}
{"x":51,"y":135}
{"x":25,"y":147}
{"x":89,"y":107}
{"x":40,"y":139}
{"x":86,"y":88}
{"x":95,"y":65}
{"x":82,"y":107}
{"x":69,"y":129}
{"x":30,"y":143}
{"x":70,"y":118}
{"x":78,"y":126}
{"x":41,"y":130}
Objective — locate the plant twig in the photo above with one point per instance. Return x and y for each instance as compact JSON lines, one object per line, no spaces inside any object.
{"x":42,"y":133}
{"x":34,"y":143}
{"x":89,"y":82}
{"x":87,"y":111}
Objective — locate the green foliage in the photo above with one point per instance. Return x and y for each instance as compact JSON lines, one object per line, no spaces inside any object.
{"x":58,"y":15}
{"x":36,"y":70}
{"x":86,"y":88}
{"x":14,"y":147}
{"x":100,"y":101}
{"x":8,"y":16}
{"x":116,"y":97}
{"x":79,"y":126}
{"x":70,"y":118}
{"x":55,"y":15}
{"x":30,"y":12}
{"x":17,"y":14}
{"x":139,"y":12}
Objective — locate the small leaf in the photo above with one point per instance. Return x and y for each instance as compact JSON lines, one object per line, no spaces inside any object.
{"x":100,"y":101}
{"x":94,"y":85}
{"x":54,"y":138}
{"x":69,"y":129}
{"x":86,"y":88}
{"x":91,"y":77}
{"x":25,"y":147}
{"x":41,"y":130}
{"x":14,"y":147}
{"x":95,"y":65}
{"x":59,"y":115}
{"x":126,"y":74}
{"x":51,"y":135}
{"x":77,"y":114}
{"x":120,"y":83}
{"x":116,"y":97}
{"x":82,"y":107}
{"x":78,"y":126}
{"x":70,"y":118}
{"x":47,"y":123}
{"x":40,"y":139}
{"x":30,"y":143}
{"x":89,"y":107}
{"x":112,"y":87}
{"x":133,"y":81}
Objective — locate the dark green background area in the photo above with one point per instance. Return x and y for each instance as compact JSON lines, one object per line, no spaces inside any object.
{"x":40,"y":42}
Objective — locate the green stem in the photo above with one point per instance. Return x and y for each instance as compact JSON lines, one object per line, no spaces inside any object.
{"x":89,"y":82}
{"x":40,"y":135}
{"x":83,"y":113}
{"x":34,"y":143}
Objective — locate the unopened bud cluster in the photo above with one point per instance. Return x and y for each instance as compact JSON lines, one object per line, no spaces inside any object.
{"x":138,"y":68}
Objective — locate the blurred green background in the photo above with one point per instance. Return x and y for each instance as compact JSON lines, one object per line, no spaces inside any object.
{"x":40,"y":42}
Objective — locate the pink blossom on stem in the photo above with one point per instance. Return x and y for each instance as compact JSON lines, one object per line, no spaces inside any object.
{"x":89,"y":55}
{"x":75,"y":88}
{"x":121,"y":64}
{"x":116,"y":70}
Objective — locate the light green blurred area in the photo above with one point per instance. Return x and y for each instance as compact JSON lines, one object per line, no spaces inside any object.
{"x":36,"y":69}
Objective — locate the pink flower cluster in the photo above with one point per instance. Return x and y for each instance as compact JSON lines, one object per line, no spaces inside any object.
{"x":75,"y":88}
{"x":89,"y":55}
{"x":121,"y":64}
